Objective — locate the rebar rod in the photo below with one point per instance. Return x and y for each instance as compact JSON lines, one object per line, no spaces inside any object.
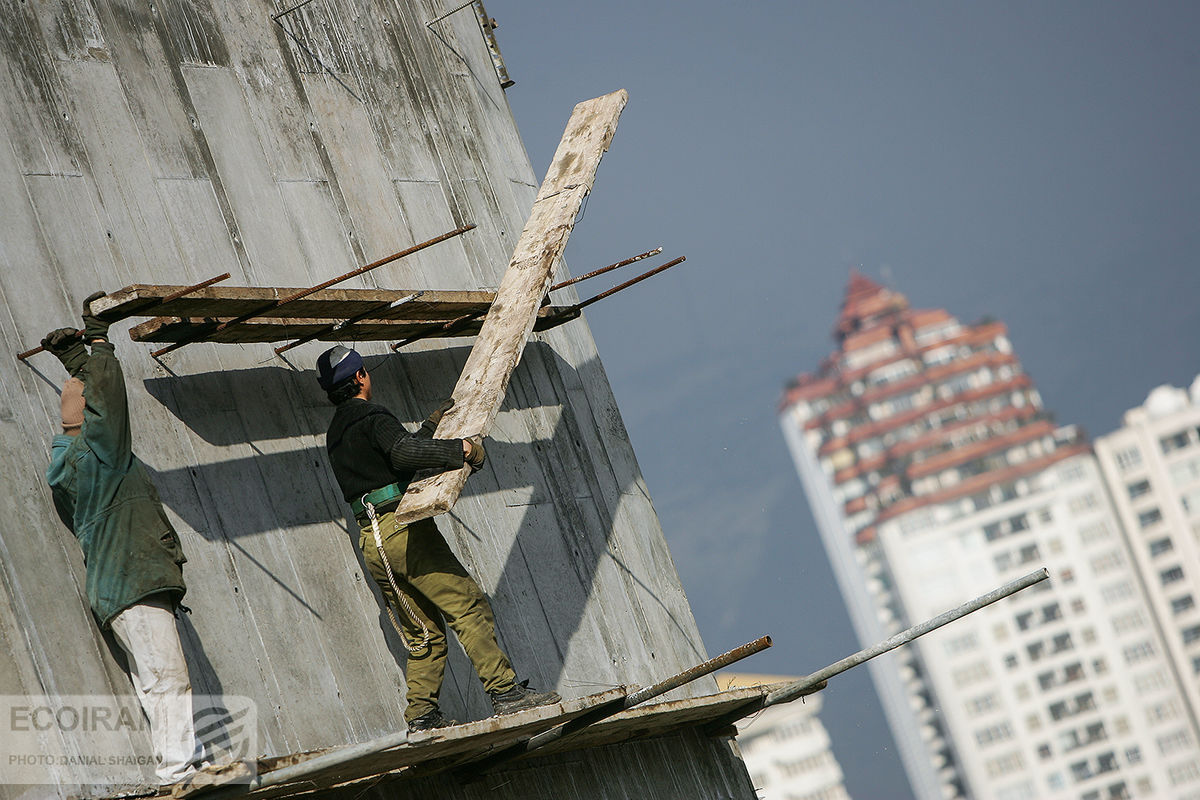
{"x":597,"y":298}
{"x":620,"y":704}
{"x":337,"y":326}
{"x":160,"y":301}
{"x":459,"y":322}
{"x":796,"y":689}
{"x":602,"y":270}
{"x":274,"y":304}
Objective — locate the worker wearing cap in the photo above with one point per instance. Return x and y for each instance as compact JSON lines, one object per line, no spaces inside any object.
{"x":374,"y":459}
{"x":132,"y":554}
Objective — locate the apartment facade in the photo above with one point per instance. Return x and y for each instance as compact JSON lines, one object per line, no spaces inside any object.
{"x":935,"y":474}
{"x":786,"y":748}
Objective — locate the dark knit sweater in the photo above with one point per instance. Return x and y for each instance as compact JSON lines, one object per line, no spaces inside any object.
{"x":369,"y":448}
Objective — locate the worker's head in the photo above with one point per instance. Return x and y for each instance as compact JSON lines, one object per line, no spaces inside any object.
{"x":72,"y":406}
{"x":341,"y":373}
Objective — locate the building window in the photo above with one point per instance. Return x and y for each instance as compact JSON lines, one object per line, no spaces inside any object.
{"x":1174,"y":742}
{"x":1150,"y":516}
{"x":1133,"y":755}
{"x":1116,"y":592}
{"x":1182,"y":604}
{"x":1128,"y":458}
{"x":1176,"y":441}
{"x":1186,"y":772}
{"x":1107,"y":562}
{"x":1128,"y":621}
{"x":1082,"y":502}
{"x":1138,"y":652}
{"x":1094,"y":533}
{"x":1191,"y":634}
{"x":1138,"y":489}
{"x":1169,"y":576}
{"x":1160,"y":546}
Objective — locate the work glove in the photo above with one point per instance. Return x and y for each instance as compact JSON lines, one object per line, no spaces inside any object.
{"x":93,"y":326}
{"x":476,"y":457}
{"x":65,"y":345}
{"x":431,"y":422}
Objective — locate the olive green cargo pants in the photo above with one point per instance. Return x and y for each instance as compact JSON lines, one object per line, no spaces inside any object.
{"x":440,"y":591}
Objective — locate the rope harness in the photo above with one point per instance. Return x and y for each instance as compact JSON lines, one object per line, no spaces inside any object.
{"x":401,"y":596}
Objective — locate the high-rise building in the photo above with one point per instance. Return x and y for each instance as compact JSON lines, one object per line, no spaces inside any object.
{"x":1152,"y":464}
{"x":786,"y":748}
{"x":935,"y":475}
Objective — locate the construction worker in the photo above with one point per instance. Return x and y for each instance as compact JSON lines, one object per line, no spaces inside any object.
{"x":374,"y":459}
{"x":132,"y":554}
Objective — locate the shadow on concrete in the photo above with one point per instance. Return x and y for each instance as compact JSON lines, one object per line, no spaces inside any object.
{"x":562,"y":492}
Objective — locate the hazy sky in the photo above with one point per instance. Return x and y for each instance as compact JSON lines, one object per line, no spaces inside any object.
{"x":1032,"y":161}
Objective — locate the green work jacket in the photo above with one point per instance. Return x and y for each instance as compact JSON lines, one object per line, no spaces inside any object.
{"x":103,"y":494}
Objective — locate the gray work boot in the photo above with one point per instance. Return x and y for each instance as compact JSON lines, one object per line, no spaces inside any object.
{"x":521,"y":697}
{"x":430,"y":720}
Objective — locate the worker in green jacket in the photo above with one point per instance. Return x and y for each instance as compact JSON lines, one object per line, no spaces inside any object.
{"x":134,"y":561}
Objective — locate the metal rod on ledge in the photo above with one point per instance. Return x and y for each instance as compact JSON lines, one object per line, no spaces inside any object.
{"x":274,"y":304}
{"x":620,"y":704}
{"x":459,"y":322}
{"x":337,"y":326}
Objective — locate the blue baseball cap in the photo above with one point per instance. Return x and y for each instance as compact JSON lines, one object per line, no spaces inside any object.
{"x":337,"y":364}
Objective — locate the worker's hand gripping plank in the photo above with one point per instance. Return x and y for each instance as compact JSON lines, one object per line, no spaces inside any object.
{"x":484,"y":380}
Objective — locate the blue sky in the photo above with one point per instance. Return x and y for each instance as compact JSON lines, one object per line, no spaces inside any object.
{"x":1036,"y":162}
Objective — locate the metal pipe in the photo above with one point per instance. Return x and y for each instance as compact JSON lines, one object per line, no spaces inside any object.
{"x":337,"y":326}
{"x":274,"y":304}
{"x":621,"y":704}
{"x":796,"y":689}
{"x":602,"y":270}
{"x":173,"y":296}
{"x":585,"y":303}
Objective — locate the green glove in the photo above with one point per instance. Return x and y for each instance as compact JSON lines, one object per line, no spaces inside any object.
{"x":477,"y":456}
{"x":431,"y":422}
{"x":93,"y":326}
{"x":65,"y":345}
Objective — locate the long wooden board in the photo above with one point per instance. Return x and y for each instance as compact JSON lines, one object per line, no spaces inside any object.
{"x":484,"y":380}
{"x":232,"y":301}
{"x":282,"y":329}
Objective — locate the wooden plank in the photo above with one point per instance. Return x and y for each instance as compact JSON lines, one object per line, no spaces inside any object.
{"x":430,"y":751}
{"x":328,"y":304}
{"x":280,"y":329}
{"x":484,"y":380}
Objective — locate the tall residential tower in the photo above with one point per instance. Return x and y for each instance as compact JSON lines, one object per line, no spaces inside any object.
{"x":935,"y":475}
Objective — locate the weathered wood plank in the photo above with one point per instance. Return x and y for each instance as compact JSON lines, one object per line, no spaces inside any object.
{"x":279,"y":329}
{"x":233,"y":301}
{"x":481,"y":387}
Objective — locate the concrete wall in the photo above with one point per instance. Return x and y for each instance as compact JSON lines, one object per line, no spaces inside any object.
{"x":169,"y":141}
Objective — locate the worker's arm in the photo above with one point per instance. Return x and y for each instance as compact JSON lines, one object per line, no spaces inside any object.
{"x":408,"y":453}
{"x":106,"y":406}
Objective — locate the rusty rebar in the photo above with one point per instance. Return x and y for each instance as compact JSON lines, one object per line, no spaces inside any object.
{"x":337,"y":326}
{"x":602,"y":270}
{"x":459,"y":322}
{"x":597,"y":298}
{"x":173,"y":296}
{"x":274,"y":304}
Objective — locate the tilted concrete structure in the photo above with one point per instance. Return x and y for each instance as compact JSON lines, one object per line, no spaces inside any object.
{"x":171,"y":141}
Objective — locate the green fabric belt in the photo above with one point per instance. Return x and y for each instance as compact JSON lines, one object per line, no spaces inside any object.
{"x":378,"y":497}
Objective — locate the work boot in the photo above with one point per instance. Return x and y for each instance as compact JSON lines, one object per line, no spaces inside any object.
{"x":430,"y":720}
{"x":521,"y":697}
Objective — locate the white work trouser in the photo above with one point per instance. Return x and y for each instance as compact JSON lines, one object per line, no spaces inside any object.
{"x":147,"y":633}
